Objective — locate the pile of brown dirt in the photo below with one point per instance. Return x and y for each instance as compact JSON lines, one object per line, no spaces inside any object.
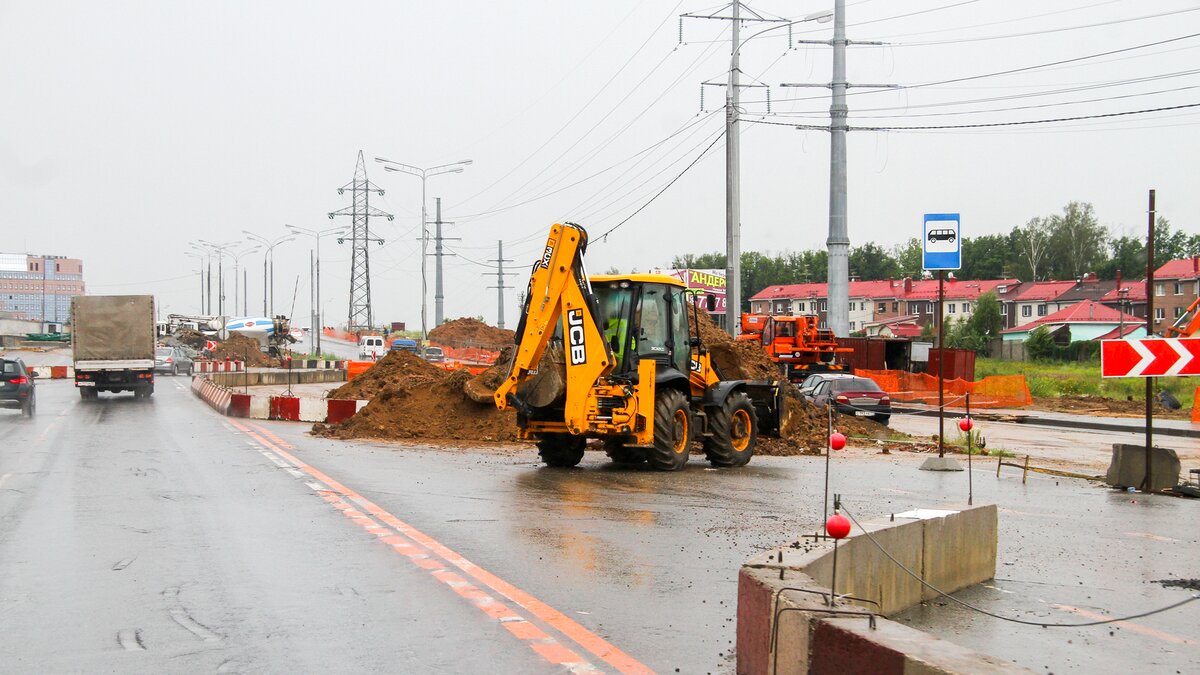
{"x":481,"y":387}
{"x":745,"y":360}
{"x":398,"y":369}
{"x":805,"y":429}
{"x":469,"y":332}
{"x":413,"y":400}
{"x":239,"y":347}
{"x":190,"y":338}
{"x":1106,"y":407}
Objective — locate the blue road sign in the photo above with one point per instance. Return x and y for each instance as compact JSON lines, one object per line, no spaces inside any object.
{"x":941,"y":242}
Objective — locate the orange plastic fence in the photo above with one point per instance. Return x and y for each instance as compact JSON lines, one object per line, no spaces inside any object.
{"x":470,"y":354}
{"x":356,"y":368}
{"x":455,"y":365}
{"x":1196,"y":407}
{"x":995,"y":391}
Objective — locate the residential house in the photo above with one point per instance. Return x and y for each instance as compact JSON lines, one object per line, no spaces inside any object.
{"x":1129,"y":297}
{"x":1176,"y":287}
{"x":1085,"y":320}
{"x":1039,"y":300}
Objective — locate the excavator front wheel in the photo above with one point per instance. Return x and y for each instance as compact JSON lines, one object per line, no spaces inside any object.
{"x":672,"y":431}
{"x":734,"y":432}
{"x":561,"y":450}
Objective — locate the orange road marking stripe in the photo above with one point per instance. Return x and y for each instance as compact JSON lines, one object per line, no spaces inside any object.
{"x":525,"y":630}
{"x":1136,"y":628}
{"x":591,"y":642}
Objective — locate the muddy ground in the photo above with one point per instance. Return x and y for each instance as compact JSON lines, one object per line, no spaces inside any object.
{"x":1105,"y":407}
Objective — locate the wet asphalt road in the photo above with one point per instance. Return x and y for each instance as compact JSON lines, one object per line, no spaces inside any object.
{"x":158,"y":536}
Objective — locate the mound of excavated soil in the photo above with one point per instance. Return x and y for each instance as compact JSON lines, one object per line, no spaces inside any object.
{"x":395,"y":370}
{"x":736,"y":360}
{"x":239,"y":347}
{"x":805,"y":429}
{"x":424,"y":404}
{"x":468,"y":332}
{"x":481,"y":387}
{"x":191,"y":338}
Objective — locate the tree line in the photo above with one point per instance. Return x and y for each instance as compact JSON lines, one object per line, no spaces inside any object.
{"x":1060,"y":246}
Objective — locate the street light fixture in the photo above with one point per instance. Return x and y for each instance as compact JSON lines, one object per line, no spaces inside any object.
{"x":316,"y":326}
{"x":424,"y":174}
{"x":221,"y":250}
{"x":269,"y":245}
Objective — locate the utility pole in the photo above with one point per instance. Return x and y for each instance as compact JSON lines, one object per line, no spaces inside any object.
{"x":438,"y":297}
{"x":500,"y":274}
{"x":838,"y":241}
{"x":424,"y":174}
{"x":733,"y":154}
{"x":360,"y":212}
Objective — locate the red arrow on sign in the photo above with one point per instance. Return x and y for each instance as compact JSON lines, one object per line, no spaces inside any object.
{"x":210,"y":345}
{"x":1166,"y":357}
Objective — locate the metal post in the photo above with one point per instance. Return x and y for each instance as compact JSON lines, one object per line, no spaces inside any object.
{"x":941,"y":343}
{"x":733,"y":204}
{"x":828,"y":452}
{"x":208,"y":263}
{"x":500,"y":284}
{"x":1146,"y":484}
{"x":245,"y":291}
{"x":312,"y":295}
{"x":265,"y":254}
{"x":321,"y":324}
{"x":838,"y":243}
{"x":437,"y":266}
{"x":236,"y":285}
{"x":272,"y":314}
{"x":970,"y":479}
{"x":221,"y":285}
{"x":424,"y":255}
{"x":43,"y":317}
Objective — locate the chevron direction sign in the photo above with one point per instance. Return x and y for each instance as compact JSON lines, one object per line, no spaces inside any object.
{"x":1163,"y":357}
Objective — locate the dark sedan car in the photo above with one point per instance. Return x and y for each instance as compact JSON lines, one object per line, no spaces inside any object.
{"x":852,"y":395}
{"x":17,"y":386}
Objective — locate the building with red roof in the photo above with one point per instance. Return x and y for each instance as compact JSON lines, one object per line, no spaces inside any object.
{"x":1085,"y":320}
{"x":1176,"y":287}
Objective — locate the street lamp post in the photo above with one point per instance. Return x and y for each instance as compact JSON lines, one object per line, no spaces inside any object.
{"x":200,"y":261}
{"x":221,"y":250}
{"x":424,"y":174}
{"x":316,"y":326}
{"x":236,"y":283}
{"x":269,"y":245}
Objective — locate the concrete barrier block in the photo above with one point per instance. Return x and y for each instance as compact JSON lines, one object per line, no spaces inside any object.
{"x":1128,"y":467}
{"x":260,"y":407}
{"x":960,"y":551}
{"x":313,"y":410}
{"x":865,"y":572}
{"x":842,"y":646}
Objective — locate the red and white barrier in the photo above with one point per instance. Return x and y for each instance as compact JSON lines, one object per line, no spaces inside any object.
{"x":54,"y":372}
{"x":267,"y":407}
{"x":219,"y":366}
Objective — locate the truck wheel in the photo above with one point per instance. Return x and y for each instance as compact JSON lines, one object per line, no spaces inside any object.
{"x":672,"y":431}
{"x":734,"y":432}
{"x":561,"y":450}
{"x":620,"y":453}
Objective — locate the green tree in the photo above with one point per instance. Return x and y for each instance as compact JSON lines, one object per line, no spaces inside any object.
{"x":986,"y":257}
{"x":908,"y":258}
{"x":870,"y":262}
{"x":1040,"y":344}
{"x":1078,"y":240}
{"x":1127,"y":254}
{"x":986,"y":321}
{"x":1032,"y":244}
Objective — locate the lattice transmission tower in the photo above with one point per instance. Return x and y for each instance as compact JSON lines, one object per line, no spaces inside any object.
{"x":360,"y":212}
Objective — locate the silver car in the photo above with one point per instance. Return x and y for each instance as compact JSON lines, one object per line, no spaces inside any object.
{"x":172,"y":360}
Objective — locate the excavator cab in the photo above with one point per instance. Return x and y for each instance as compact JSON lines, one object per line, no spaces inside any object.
{"x":643,"y":319}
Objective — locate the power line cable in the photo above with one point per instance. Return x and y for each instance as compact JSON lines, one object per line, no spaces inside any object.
{"x":604,"y":236}
{"x":1047,"y":31}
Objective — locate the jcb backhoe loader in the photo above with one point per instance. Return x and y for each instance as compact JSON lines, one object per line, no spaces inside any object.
{"x":619,"y":358}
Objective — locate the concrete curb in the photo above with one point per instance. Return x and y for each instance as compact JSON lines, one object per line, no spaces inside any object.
{"x":218,"y":366}
{"x":267,"y":407}
{"x":1090,"y":423}
{"x":784,"y":624}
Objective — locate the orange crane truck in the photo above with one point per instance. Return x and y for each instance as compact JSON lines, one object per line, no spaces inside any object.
{"x":797,"y":344}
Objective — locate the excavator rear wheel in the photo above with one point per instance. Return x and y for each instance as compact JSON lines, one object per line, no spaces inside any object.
{"x":734,"y":432}
{"x":562,"y":450}
{"x":672,"y":431}
{"x":620,"y":453}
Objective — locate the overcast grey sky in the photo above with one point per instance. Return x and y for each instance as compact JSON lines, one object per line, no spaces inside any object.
{"x":132,"y":128}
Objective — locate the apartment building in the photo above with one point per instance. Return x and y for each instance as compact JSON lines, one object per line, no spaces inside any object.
{"x":39,"y":287}
{"x":1176,"y":287}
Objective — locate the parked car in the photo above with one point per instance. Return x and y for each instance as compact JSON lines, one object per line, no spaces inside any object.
{"x":404,"y":344}
{"x":17,"y":386}
{"x":851,"y":395}
{"x":371,"y":347}
{"x":810,"y":383}
{"x":172,"y":360}
{"x":435,"y":355}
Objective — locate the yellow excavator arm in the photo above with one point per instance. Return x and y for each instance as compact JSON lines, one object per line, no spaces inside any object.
{"x":558,"y":288}
{"x":1188,"y":323}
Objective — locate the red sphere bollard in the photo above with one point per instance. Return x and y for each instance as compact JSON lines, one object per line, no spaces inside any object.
{"x":838,"y":526}
{"x":837,"y":440}
{"x":966,"y":424}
